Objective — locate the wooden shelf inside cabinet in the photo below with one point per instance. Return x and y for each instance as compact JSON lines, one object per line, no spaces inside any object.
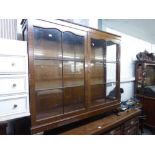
{"x":69,"y":71}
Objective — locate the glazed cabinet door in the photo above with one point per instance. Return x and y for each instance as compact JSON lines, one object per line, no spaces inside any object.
{"x":97,"y":70}
{"x":59,"y":70}
{"x":73,"y":46}
{"x":48,"y":76}
{"x":112,"y":64}
{"x":104,"y":70}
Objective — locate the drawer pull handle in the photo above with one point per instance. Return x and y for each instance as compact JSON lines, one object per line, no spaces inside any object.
{"x":13,"y":64}
{"x":14,"y":85}
{"x":99,"y":127}
{"x":15,"y":106}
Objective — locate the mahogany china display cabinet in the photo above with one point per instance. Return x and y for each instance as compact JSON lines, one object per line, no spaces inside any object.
{"x":74,"y":72}
{"x":145,"y":90}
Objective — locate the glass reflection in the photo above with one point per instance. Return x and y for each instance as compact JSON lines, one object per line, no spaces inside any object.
{"x":97,"y":49}
{"x":111,"y":51}
{"x":73,"y":46}
{"x":47,"y":43}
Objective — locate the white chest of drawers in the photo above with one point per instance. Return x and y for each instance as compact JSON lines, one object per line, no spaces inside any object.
{"x":14,"y":98}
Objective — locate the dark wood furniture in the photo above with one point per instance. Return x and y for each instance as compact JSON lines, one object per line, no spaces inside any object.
{"x":124,"y":123}
{"x":3,"y":128}
{"x":144,"y":90}
{"x":74,"y":72}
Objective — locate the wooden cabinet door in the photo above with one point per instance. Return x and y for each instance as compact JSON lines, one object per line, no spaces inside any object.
{"x":112,"y":65}
{"x":48,"y":76}
{"x":57,"y":66}
{"x":73,"y":45}
{"x":104,"y":70}
{"x":97,"y":70}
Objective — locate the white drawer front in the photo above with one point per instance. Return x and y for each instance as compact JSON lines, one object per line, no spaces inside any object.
{"x":13,"y":85}
{"x":13,"y":106}
{"x":13,"y":47}
{"x":9,"y":65}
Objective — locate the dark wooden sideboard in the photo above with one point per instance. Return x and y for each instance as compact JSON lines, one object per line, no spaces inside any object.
{"x":123,"y":123}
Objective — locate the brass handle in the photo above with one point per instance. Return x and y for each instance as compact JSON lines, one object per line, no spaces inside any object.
{"x":99,"y":127}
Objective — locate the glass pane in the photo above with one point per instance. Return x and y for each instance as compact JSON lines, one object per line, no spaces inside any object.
{"x":150,"y":75}
{"x":97,"y":94}
{"x":111,"y":51}
{"x":111,"y":91}
{"x":73,"y":46}
{"x":139,"y":79}
{"x":48,"y":74}
{"x":97,"y":73}
{"x":49,"y":103}
{"x":73,"y":73}
{"x":97,"y":49}
{"x":79,"y":47}
{"x":73,"y":98}
{"x":111,"y":72}
{"x":47,"y":43}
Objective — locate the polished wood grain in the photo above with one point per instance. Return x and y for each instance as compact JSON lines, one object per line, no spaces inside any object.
{"x":112,"y":122}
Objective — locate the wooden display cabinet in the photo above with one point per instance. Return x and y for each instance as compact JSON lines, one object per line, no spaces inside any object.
{"x":72,"y":70}
{"x":145,"y":90}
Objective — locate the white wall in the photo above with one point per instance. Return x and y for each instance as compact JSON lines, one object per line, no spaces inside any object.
{"x":130,"y":46}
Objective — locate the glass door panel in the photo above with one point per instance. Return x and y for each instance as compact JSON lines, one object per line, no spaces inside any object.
{"x":73,"y":98}
{"x":73,"y":46}
{"x":49,"y":103}
{"x":73,"y":71}
{"x":111,"y":78}
{"x":68,"y":73}
{"x":79,"y":73}
{"x":150,"y":75}
{"x":47,"y":43}
{"x":97,"y":49}
{"x":111,"y":52}
{"x":48,"y":74}
{"x":79,"y":47}
{"x":97,"y":94}
{"x":111,"y":72}
{"x":97,"y":71}
{"x":111,"y":91}
{"x":139,"y":82}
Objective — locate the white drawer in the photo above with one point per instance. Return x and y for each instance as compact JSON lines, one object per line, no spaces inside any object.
{"x":13,"y":106}
{"x":11,"y":85}
{"x":10,"y":65}
{"x":13,"y":47}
